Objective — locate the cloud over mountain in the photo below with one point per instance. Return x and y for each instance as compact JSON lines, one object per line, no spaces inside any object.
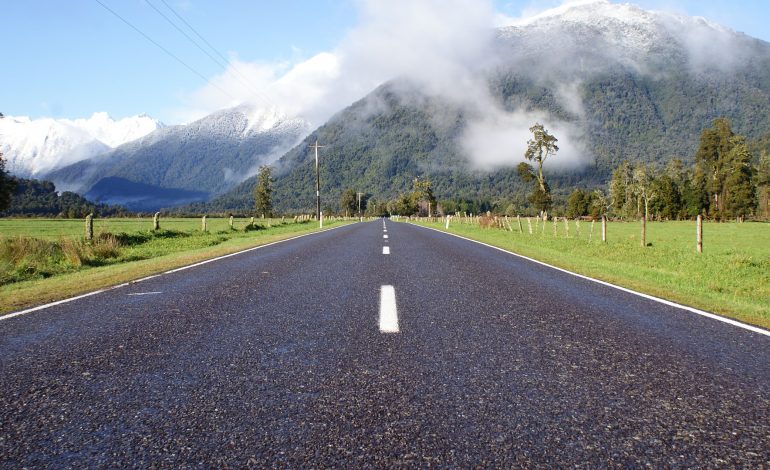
{"x":37,"y":146}
{"x":450,"y":48}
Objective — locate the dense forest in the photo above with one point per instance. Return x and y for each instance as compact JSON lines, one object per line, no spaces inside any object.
{"x":30,"y":197}
{"x":381,"y":143}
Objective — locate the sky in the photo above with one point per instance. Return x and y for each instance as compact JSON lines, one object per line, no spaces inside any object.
{"x":69,"y":59}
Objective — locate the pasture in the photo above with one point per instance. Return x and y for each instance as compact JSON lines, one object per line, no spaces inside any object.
{"x":731,"y":277}
{"x":43,"y":260}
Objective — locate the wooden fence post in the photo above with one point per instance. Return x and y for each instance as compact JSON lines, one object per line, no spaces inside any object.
{"x":555,"y":224}
{"x":604,"y":229}
{"x":566,"y":226}
{"x":231,"y":222}
{"x":644,"y":231}
{"x":699,"y":233}
{"x":90,"y":226}
{"x":529,"y":223}
{"x":518,"y":219}
{"x":156,"y":221}
{"x":204,"y":224}
{"x":591,"y":232}
{"x":577,"y":227}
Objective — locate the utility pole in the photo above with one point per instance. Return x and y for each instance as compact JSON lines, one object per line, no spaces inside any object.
{"x":359,"y":204}
{"x":317,"y":182}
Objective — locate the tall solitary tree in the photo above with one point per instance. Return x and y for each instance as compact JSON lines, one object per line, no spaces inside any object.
{"x":539,"y":148}
{"x":263,"y":192}
{"x":541,"y":194}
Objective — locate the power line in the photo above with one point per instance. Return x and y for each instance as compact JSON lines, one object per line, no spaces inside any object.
{"x":242,"y":78}
{"x":185,"y":34}
{"x":166,"y":50}
{"x":194,"y":31}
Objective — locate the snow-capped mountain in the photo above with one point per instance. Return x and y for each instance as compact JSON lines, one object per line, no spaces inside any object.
{"x":588,"y":36}
{"x":207,"y":156}
{"x":34,"y":147}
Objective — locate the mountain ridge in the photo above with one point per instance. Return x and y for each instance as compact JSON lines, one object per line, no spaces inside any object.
{"x":206,"y":156}
{"x":34,"y":147}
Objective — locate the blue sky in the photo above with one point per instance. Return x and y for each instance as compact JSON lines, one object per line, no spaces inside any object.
{"x":72,"y":58}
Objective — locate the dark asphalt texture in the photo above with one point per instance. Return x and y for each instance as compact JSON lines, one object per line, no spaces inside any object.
{"x":273,"y":358}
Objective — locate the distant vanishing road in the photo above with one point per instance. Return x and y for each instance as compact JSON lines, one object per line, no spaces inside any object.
{"x":326,"y":352}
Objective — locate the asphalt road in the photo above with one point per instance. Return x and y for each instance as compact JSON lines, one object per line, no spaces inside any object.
{"x":275,"y":358}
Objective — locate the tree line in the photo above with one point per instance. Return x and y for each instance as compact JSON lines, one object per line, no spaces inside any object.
{"x":729,"y":179}
{"x":726,"y":181}
{"x":31,"y":197}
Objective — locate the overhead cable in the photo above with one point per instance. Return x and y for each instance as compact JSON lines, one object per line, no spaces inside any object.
{"x":240,"y":76}
{"x":171,"y":54}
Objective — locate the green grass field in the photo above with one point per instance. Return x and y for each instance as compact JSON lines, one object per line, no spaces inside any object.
{"x":731,"y":277}
{"x":51,"y":229}
{"x":43,"y":260}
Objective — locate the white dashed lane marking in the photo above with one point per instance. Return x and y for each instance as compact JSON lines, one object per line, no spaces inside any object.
{"x":385,"y":250}
{"x":388,"y":312}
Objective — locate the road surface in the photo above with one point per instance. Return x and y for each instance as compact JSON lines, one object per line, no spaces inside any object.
{"x":379,"y":344}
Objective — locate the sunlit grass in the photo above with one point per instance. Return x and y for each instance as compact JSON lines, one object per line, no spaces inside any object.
{"x":731,"y":277}
{"x":43,"y":260}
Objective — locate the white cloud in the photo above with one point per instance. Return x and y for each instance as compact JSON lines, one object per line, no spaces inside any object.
{"x":435,"y":42}
{"x":444,"y":46}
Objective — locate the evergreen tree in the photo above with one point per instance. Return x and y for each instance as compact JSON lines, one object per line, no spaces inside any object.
{"x":579,"y":203}
{"x":712,"y":163}
{"x":740,"y":192}
{"x":348,"y":202}
{"x":7,"y":186}
{"x":622,"y":201}
{"x":422,"y":196}
{"x":263,"y":192}
{"x":668,"y":203}
{"x":763,"y":185}
{"x":375,"y":208}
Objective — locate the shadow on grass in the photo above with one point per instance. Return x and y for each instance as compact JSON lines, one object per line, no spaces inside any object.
{"x":137,"y":238}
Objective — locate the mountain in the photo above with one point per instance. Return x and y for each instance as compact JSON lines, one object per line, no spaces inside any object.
{"x":188,"y":162}
{"x":37,"y":146}
{"x":613,"y":82}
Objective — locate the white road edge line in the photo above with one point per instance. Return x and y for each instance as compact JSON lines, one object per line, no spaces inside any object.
{"x":385,"y":250}
{"x":713,"y":316}
{"x":388,"y":312}
{"x":118,"y":286}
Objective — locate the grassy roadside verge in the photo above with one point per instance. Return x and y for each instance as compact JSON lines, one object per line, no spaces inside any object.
{"x":731,"y":278}
{"x":140,"y":261}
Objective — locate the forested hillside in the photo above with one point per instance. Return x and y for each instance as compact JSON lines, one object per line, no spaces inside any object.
{"x":381,"y":143}
{"x":39,"y":198}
